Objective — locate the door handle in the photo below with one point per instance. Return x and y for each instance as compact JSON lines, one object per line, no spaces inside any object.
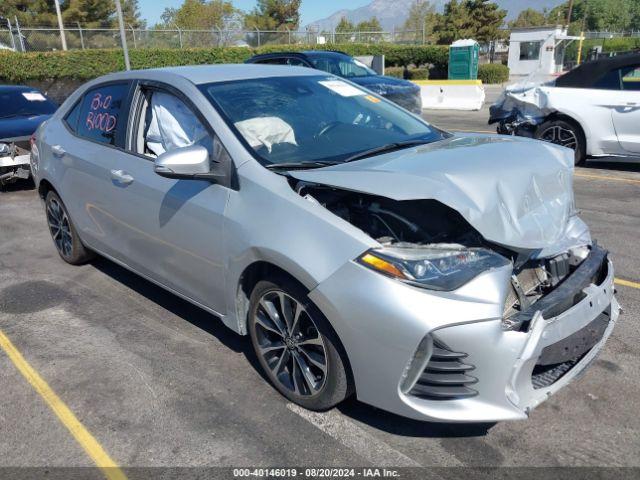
{"x":58,"y":151}
{"x":121,"y":176}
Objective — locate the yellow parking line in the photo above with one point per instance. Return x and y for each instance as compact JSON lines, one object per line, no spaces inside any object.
{"x":627,"y":283}
{"x":604,"y":177}
{"x":90,"y":445}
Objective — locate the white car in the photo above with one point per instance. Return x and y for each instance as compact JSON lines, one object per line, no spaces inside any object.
{"x":594,"y":109}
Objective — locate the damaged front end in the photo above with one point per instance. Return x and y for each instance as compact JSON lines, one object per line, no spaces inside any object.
{"x":14,"y":163}
{"x":428,"y":244}
{"x":520,"y":109}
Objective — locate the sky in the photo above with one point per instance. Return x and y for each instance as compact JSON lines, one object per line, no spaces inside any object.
{"x":311,"y":10}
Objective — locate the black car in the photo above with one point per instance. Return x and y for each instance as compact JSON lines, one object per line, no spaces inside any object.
{"x":402,"y":92}
{"x":22,"y":110}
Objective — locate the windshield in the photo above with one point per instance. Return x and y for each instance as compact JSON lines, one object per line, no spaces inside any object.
{"x":342,"y":65}
{"x":313,"y":118}
{"x":15,"y":103}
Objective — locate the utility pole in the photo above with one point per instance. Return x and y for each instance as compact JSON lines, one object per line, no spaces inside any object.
{"x":63,"y":39}
{"x":568,"y":22}
{"x":123,"y":36}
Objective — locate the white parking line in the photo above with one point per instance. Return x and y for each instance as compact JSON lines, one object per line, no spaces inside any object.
{"x":352,"y":436}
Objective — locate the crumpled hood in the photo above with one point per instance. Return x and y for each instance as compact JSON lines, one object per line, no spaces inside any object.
{"x":514,"y":191}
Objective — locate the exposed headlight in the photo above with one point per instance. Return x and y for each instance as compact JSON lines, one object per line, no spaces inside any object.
{"x":446,"y":268}
{"x":5,"y":149}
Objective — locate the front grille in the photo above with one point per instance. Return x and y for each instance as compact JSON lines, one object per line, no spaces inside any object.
{"x":557,"y":359}
{"x":445,"y":377}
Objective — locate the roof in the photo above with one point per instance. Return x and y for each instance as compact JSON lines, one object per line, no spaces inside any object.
{"x":590,"y":73}
{"x":302,"y":54}
{"x":199,"y":74}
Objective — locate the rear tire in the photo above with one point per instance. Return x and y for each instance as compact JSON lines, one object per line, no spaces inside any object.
{"x":296,"y":346}
{"x":565,"y":133}
{"x":63,"y":232}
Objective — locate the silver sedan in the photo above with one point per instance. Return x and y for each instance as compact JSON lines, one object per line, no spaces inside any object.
{"x":364,"y":251}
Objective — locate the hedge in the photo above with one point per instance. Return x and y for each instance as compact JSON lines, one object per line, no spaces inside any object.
{"x":412,"y":73}
{"x":87,"y":64}
{"x":491,"y":73}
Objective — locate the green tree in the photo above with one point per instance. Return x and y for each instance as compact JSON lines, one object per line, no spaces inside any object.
{"x":420,"y":21}
{"x":599,"y":15}
{"x":367,"y":31}
{"x":478,"y":19}
{"x":345,"y":26}
{"x":274,"y":15}
{"x":199,"y":14}
{"x":529,"y":18}
{"x":28,"y":12}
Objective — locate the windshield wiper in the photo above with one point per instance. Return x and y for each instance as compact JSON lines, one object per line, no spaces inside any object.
{"x":299,"y":165}
{"x":389,"y":147}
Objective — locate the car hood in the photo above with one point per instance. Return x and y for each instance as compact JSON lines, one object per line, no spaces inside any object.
{"x":514,"y":191}
{"x":386,"y":85}
{"x":15,"y":127}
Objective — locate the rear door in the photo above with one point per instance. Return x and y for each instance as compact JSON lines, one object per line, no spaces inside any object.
{"x":89,"y":146}
{"x":626,"y":114}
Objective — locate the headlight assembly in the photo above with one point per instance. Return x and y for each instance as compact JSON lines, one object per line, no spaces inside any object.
{"x":435,"y":268}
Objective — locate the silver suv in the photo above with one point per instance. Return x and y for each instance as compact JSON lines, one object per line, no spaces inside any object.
{"x":441,"y":277}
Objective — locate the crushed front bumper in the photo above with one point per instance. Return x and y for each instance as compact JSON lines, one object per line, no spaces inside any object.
{"x":382,"y":322}
{"x":14,"y":167}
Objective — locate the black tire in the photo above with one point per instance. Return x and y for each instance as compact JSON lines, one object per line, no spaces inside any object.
{"x":566,"y":133}
{"x":336,"y":384}
{"x":63,"y":232}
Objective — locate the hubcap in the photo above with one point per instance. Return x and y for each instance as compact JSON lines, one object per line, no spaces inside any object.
{"x":560,"y":136}
{"x":290,"y":344}
{"x":59,"y":227}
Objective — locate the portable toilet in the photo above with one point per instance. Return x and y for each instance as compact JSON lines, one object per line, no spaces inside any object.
{"x":464,"y":56}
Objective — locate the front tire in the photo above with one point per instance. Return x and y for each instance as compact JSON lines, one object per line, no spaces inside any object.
{"x":64,"y":234}
{"x":295,"y":345}
{"x":565,"y":133}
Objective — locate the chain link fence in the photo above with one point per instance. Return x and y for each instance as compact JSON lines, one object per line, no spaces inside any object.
{"x":28,"y":39}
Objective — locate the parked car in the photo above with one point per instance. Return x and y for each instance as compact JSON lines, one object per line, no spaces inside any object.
{"x":362,"y":250}
{"x":593,"y":109}
{"x":22,"y":110}
{"x":404,"y":93}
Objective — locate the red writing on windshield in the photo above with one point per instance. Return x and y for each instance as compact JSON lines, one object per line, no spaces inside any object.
{"x":98,"y":117}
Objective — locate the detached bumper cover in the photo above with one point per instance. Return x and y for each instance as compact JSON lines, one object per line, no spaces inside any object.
{"x":381,"y":322}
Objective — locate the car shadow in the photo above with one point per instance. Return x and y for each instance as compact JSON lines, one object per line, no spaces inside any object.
{"x":212,"y":325}
{"x":18,"y":185}
{"x":594,"y":164}
{"x":397,"y":425}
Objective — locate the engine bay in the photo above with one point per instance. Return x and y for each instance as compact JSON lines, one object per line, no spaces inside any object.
{"x":422,"y":223}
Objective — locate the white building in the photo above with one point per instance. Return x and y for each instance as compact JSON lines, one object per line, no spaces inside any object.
{"x":538,"y":49}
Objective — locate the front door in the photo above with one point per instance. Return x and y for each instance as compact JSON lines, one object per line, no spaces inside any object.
{"x":626,"y":114}
{"x":174,"y":228}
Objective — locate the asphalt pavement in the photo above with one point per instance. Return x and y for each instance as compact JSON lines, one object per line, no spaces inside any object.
{"x":157,"y":382}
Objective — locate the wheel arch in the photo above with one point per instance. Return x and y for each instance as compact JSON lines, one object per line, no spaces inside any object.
{"x":261,"y":270}
{"x":570,"y":119}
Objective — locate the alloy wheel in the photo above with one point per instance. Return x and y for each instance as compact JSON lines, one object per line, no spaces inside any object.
{"x":59,"y":227}
{"x":560,"y":136}
{"x":290,"y":344}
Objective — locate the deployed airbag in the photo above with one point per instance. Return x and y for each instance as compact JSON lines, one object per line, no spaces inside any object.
{"x":266,"y":132}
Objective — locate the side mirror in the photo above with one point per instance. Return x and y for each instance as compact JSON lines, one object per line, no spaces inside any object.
{"x":186,"y":162}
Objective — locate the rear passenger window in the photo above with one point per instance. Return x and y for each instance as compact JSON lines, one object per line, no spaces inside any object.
{"x":101,"y":111}
{"x":72,"y":117}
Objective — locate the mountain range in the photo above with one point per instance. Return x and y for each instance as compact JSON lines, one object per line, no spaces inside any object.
{"x":393,"y":13}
